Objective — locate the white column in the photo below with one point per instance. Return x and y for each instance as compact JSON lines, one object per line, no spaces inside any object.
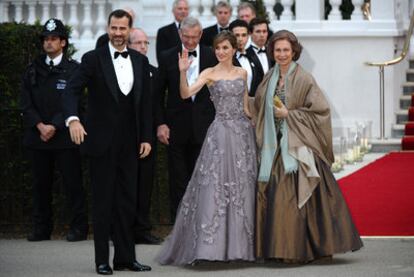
{"x":59,"y":9}
{"x":357,"y":13}
{"x":269,"y":8}
{"x":335,"y":13}
{"x":18,"y":10}
{"x":45,"y":10}
{"x":194,"y":5}
{"x":207,"y":4}
{"x":410,"y":13}
{"x":310,"y":10}
{"x":4,"y":11}
{"x":234,"y":4}
{"x":100,"y":21}
{"x":31,"y":15}
{"x":382,"y":10}
{"x":73,"y":17}
{"x":287,"y":10}
{"x":87,"y":20}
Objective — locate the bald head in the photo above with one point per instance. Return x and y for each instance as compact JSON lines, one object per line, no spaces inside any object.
{"x":138,"y":40}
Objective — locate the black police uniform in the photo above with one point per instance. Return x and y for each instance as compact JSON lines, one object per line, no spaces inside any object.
{"x":42,"y":86}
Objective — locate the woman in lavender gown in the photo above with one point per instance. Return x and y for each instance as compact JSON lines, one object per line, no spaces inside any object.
{"x":215,"y":220}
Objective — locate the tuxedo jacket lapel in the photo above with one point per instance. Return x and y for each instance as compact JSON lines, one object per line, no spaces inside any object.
{"x":137,"y":68}
{"x":203,"y":56}
{"x":109,"y":71}
{"x":253,"y":57}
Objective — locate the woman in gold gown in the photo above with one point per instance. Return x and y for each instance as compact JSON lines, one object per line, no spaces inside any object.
{"x":301,"y":215}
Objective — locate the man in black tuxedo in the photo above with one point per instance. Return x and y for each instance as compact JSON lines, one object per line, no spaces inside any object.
{"x":48,"y":139}
{"x":167,"y":36}
{"x":183,"y":123}
{"x":259,"y":31}
{"x":138,"y":40}
{"x":240,"y":29}
{"x":223,"y":11}
{"x":117,"y":131}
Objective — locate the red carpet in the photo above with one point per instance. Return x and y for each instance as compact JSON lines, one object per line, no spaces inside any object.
{"x":380,"y":196}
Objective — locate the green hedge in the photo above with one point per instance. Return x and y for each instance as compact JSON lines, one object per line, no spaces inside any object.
{"x":20,"y":44}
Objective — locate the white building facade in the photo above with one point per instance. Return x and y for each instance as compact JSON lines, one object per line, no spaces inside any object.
{"x":335,"y":50}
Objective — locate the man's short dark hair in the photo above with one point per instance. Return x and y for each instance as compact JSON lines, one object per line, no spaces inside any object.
{"x":258,"y":21}
{"x":120,"y":14}
{"x":238,"y":23}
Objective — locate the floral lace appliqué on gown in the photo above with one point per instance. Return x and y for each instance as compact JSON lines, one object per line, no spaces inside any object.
{"x":215,"y":218}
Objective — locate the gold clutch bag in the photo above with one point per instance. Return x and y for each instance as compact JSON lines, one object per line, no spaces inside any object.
{"x":277,"y":102}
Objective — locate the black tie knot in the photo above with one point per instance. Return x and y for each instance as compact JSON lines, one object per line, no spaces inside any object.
{"x":192,"y":53}
{"x":261,"y":51}
{"x":51,"y":64}
{"x":242,"y":55}
{"x":223,"y":29}
{"x":123,"y":54}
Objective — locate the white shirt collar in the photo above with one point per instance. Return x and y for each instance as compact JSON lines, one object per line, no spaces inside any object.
{"x":197,"y":49}
{"x":238,"y":53}
{"x":112,"y":50}
{"x":56,"y":60}
{"x":256,"y":48}
{"x":177,"y":24}
{"x":219,"y":26}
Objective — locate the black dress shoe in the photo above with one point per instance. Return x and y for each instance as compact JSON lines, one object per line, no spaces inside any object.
{"x":38,"y":236}
{"x":76,"y":235}
{"x":104,"y":269}
{"x":135,"y":266}
{"x":148,"y":239}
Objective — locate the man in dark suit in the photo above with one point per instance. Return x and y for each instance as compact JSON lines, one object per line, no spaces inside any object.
{"x":138,"y":40}
{"x":167,"y":36}
{"x":183,"y":123}
{"x":117,"y":131}
{"x":240,"y":29}
{"x":259,"y":31}
{"x":222,"y":10}
{"x":47,"y":138}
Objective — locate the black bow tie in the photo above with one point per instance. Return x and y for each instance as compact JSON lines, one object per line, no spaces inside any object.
{"x":223,"y":29}
{"x":192,"y":53}
{"x":242,"y":55}
{"x":123,"y":54}
{"x":261,"y":50}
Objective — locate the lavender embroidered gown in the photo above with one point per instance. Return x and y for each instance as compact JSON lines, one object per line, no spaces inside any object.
{"x":215,"y":218}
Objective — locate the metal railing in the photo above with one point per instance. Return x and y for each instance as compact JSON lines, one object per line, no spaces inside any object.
{"x":381,"y":66}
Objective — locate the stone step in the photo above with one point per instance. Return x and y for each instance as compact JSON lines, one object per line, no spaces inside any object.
{"x":401,"y":116}
{"x":405,"y":101}
{"x":410,"y":75}
{"x":397,"y":130}
{"x":408,"y":88}
{"x":386,"y":145}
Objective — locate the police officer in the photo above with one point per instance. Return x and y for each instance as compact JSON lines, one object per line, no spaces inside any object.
{"x":48,"y":139}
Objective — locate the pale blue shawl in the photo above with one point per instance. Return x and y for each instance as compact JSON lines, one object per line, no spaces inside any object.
{"x":270,"y":143}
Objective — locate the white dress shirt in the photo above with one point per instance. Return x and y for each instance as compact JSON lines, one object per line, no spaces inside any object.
{"x":194,"y":69}
{"x":262,"y":57}
{"x":55,"y":60}
{"x":123,"y":70}
{"x":245,"y":64}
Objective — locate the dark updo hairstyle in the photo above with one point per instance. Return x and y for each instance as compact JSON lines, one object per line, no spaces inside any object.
{"x":284,"y":35}
{"x":225,"y":35}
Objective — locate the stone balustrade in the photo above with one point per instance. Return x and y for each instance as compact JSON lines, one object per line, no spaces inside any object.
{"x":335,"y":49}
